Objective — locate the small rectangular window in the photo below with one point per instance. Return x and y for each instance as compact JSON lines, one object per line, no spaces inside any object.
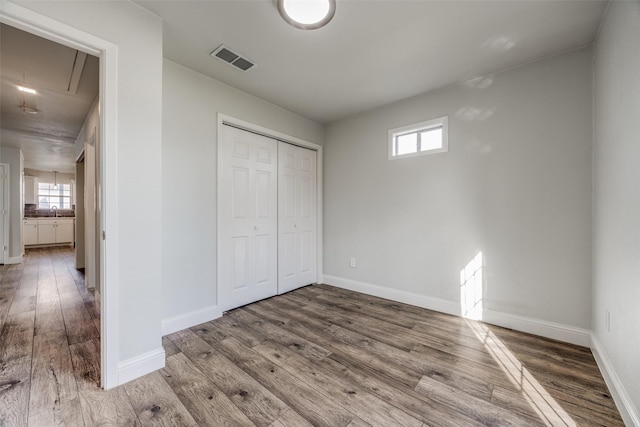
{"x":419,"y":139}
{"x":51,"y":195}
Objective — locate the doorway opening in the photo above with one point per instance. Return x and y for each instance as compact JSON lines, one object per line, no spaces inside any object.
{"x":41,"y":26}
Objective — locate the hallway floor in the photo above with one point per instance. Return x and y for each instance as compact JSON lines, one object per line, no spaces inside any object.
{"x":49,"y":340}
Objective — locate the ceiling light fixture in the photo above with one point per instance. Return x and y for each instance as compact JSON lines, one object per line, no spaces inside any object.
{"x":27,"y":90}
{"x":307,"y":14}
{"x":23,"y":106}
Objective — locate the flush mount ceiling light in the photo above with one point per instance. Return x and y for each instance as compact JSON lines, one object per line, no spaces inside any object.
{"x":307,"y":14}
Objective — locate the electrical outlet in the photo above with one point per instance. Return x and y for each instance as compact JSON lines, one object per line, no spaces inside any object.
{"x":352,"y":263}
{"x":607,"y":320}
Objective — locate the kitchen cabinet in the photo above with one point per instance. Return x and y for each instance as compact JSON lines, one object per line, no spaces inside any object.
{"x":30,"y":231}
{"x":64,"y":231}
{"x":48,"y":231}
{"x":30,"y":190}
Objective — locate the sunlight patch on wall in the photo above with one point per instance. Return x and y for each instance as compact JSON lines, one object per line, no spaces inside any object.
{"x":471,"y":289}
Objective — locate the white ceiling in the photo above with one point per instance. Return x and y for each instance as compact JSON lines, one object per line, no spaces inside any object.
{"x":373,"y":52}
{"x":47,"y":138}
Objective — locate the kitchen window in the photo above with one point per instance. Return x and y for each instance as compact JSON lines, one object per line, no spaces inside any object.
{"x":419,"y":139}
{"x":54,"y":195}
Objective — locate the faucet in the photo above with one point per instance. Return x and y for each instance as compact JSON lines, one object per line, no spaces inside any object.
{"x":55,"y":211}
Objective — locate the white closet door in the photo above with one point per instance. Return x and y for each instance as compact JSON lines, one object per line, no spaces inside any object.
{"x":248,"y":212}
{"x":297,"y":265}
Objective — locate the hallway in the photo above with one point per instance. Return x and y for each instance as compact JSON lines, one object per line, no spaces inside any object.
{"x":49,"y":340}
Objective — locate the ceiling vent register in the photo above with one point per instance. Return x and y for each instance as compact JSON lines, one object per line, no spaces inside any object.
{"x":225,"y":54}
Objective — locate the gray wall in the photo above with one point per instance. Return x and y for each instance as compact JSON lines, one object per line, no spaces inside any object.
{"x":616,"y":206}
{"x":515,"y":185}
{"x":191,"y":102}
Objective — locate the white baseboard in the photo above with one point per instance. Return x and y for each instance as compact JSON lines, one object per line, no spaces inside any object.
{"x":628,"y":411}
{"x":418,"y":300}
{"x":138,"y":366}
{"x":14,"y":260}
{"x":187,"y":320}
{"x":542,"y":328}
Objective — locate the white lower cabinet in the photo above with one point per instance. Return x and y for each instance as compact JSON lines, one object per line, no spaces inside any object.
{"x":64,"y":231}
{"x":30,"y":231}
{"x":48,"y":231}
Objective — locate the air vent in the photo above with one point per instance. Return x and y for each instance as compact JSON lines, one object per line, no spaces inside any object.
{"x":227,"y":55}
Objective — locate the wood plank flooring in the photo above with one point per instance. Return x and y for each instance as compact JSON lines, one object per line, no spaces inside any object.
{"x":318,"y":356}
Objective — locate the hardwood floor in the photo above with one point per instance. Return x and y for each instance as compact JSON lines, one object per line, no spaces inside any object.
{"x":316,"y":356}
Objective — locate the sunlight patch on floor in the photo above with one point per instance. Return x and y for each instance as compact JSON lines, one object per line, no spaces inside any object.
{"x":549,"y":411}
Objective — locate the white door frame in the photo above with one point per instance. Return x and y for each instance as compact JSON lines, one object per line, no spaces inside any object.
{"x":43,"y":26}
{"x":251,"y":127}
{"x":4,"y":214}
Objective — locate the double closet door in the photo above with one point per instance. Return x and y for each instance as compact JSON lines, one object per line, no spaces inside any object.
{"x":267,"y":217}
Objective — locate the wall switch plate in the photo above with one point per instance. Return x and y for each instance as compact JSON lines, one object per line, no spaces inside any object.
{"x":607,"y":320}
{"x":352,"y":263}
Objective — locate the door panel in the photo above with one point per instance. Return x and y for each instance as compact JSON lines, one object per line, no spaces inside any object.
{"x":240,"y":270}
{"x":248,"y":217}
{"x":307,"y":254}
{"x":288,"y":195}
{"x":263,"y":195}
{"x":297,"y":180}
{"x":263,"y":259}
{"x":4,"y":232}
{"x":240,"y":193}
{"x":90,"y":215}
{"x":287,"y":244}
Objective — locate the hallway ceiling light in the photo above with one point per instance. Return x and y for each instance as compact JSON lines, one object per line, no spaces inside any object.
{"x":307,"y":14}
{"x":23,"y":107}
{"x":27,"y":90}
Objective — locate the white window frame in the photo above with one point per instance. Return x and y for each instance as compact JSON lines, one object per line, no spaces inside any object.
{"x":417,"y":128}
{"x":59,"y":196}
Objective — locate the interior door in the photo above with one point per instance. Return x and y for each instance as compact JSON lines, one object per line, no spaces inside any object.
{"x":248,"y":212}
{"x":89,"y":215}
{"x":4,"y":241}
{"x":297,"y":175}
{"x":79,"y":235}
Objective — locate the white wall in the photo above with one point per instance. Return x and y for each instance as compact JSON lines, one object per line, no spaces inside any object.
{"x":14,"y":158}
{"x":135,"y":211}
{"x":616,"y":206}
{"x":515,"y":185}
{"x":91,"y":124}
{"x":191,"y":102}
{"x":47,"y":176}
